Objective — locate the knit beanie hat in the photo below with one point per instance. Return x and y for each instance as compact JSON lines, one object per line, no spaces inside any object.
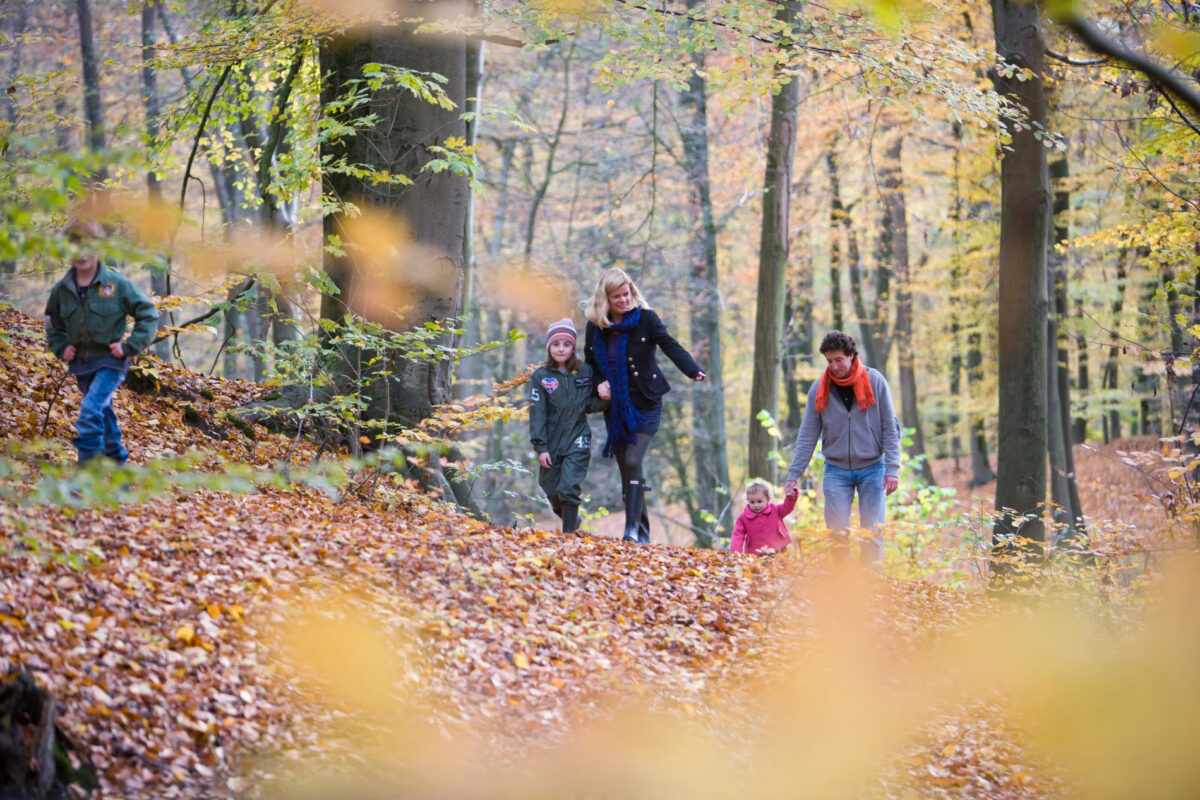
{"x":563,"y":329}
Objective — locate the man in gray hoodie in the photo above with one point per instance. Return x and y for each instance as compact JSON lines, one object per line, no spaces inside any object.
{"x":850,"y":412}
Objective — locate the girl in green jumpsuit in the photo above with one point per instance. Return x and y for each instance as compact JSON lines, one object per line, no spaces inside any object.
{"x":563,"y":393}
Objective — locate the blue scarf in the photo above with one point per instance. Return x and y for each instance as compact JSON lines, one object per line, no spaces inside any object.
{"x":622,"y":418}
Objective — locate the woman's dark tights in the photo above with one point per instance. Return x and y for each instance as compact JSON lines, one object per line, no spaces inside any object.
{"x":629,"y":461}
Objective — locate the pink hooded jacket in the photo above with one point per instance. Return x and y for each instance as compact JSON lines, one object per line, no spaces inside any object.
{"x":752,"y":532}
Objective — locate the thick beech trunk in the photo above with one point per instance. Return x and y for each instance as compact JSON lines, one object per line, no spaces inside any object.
{"x":1024,"y":236}
{"x":434,"y":207}
{"x":772,"y":265}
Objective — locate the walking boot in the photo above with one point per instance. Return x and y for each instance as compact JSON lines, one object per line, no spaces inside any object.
{"x":633,"y":510}
{"x":570,"y":518}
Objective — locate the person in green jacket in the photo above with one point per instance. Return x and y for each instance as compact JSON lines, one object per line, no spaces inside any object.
{"x":86,"y":320}
{"x":563,"y":393}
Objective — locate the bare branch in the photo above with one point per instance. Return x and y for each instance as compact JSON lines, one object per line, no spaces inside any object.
{"x":1162,"y":76}
{"x":1076,"y":62}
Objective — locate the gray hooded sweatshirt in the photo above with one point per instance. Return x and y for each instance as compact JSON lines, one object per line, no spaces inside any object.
{"x":850,"y":438}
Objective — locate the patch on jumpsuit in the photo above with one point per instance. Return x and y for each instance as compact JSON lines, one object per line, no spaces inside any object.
{"x":550,"y":384}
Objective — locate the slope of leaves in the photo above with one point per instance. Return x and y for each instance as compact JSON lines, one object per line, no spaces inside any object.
{"x":155,"y":647}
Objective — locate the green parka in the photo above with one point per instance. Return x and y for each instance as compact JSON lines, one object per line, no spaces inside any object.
{"x":101,"y":319}
{"x":561,"y":403}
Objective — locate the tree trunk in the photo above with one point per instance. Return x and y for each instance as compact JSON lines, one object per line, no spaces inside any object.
{"x":877,"y":340}
{"x":153,"y":106}
{"x":708,"y":398}
{"x":772,"y":264}
{"x":1064,"y":487}
{"x":837,"y":212}
{"x":1057,"y":438}
{"x":981,"y":468}
{"x":957,"y":295}
{"x":433,"y":210}
{"x":20,"y":21}
{"x":434,"y":207}
{"x":93,"y":110}
{"x":799,"y":343}
{"x":1024,"y":233}
{"x":1082,"y":380}
{"x":1110,"y":379}
{"x":470,"y":321}
{"x":35,"y":752}
{"x":896,"y":206}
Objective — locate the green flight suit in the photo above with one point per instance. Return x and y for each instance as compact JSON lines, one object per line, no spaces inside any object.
{"x":558,"y":425}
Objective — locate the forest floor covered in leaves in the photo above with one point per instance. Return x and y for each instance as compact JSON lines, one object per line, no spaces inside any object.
{"x":288,"y":642}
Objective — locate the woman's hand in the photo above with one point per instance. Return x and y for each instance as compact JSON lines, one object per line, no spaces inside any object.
{"x":701,"y":375}
{"x":545,"y":460}
{"x":604,"y":391}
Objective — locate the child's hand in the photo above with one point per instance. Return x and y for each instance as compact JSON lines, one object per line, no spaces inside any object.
{"x":604,"y":390}
{"x":545,"y":460}
{"x":791,"y":489}
{"x":117,"y":350}
{"x":69,"y":354}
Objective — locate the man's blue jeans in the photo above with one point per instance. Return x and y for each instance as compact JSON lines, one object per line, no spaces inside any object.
{"x":96,"y":428}
{"x":839,"y":487}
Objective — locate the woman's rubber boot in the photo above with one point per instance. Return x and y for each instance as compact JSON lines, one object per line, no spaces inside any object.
{"x":570,"y":517}
{"x":633,"y":510}
{"x":644,"y":517}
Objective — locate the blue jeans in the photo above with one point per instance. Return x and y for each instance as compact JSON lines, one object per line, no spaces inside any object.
{"x":839,"y":487}
{"x":97,"y":428}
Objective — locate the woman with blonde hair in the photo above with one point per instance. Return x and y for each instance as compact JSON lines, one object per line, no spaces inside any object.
{"x":622,"y":334}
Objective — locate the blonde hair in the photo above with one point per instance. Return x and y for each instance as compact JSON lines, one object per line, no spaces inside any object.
{"x":759,"y":485}
{"x":596,"y":309}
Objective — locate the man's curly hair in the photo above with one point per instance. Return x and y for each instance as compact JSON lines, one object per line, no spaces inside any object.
{"x":836,"y":340}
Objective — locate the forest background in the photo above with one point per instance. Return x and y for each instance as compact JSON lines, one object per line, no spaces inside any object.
{"x":375,"y":209}
{"x":766,"y":172}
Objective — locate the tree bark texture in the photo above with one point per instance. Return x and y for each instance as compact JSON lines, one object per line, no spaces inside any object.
{"x":1024,"y":235}
{"x":772,"y":265}
{"x":708,"y":398}
{"x":433,"y":207}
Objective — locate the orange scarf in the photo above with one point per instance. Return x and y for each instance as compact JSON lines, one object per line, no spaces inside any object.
{"x":857,"y":378}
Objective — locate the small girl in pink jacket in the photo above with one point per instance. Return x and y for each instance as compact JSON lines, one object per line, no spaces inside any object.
{"x":760,"y":528}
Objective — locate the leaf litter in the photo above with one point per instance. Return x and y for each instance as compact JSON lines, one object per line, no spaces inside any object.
{"x":218,"y":644}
